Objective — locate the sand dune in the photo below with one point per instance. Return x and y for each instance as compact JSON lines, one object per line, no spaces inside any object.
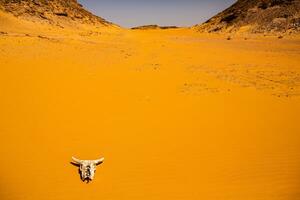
{"x":176,"y":114}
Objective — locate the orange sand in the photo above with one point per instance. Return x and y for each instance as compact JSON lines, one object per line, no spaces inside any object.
{"x":176,"y":114}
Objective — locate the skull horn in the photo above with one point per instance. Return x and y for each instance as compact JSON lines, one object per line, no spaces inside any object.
{"x":76,"y":161}
{"x":99,"y":161}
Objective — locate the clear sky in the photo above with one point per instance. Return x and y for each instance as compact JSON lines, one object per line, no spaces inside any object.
{"x":129,"y":13}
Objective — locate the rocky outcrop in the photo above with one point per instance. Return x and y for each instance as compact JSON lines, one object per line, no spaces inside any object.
{"x":256,"y":16}
{"x":51,"y":11}
{"x":153,"y":27}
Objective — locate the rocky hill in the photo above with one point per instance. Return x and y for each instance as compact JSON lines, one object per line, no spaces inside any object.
{"x":52,"y":11}
{"x":256,"y":16}
{"x":153,"y":27}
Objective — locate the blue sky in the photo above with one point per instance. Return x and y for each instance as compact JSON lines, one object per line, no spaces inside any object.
{"x":129,"y":13}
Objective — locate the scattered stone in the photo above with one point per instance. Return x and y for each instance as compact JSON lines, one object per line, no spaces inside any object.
{"x":3,"y":33}
{"x":63,"y":14}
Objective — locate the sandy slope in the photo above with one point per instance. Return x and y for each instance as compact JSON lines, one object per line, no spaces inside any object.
{"x":177,"y":115}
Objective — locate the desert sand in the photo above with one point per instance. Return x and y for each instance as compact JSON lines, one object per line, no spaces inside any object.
{"x":176,"y":114}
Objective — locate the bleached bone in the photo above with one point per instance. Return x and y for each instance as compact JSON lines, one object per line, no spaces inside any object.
{"x":87,"y":168}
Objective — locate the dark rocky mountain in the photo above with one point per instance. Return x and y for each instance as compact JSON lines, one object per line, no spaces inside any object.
{"x":256,"y":16}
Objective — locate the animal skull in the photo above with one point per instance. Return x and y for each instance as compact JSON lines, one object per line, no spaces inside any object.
{"x":87,"y":168}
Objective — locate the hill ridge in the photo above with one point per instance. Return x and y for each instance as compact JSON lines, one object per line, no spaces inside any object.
{"x":256,"y":16}
{"x":52,"y":11}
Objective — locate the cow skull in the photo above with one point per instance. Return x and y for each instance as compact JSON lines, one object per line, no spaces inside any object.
{"x":87,"y":168}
